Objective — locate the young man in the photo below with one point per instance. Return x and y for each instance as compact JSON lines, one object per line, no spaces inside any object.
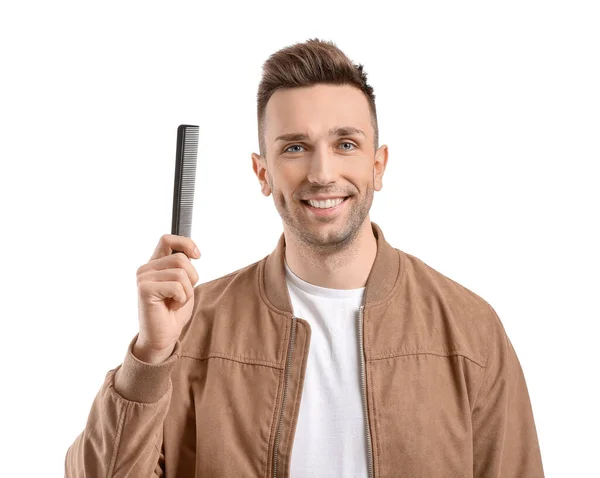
{"x":335,"y":355}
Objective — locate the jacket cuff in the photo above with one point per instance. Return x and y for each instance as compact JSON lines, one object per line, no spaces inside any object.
{"x":139,"y":381}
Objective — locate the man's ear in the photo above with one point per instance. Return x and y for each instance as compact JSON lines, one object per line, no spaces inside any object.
{"x":381,"y":158}
{"x":259,"y":165}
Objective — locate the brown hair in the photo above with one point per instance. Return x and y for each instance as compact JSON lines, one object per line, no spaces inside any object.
{"x":306,"y":64}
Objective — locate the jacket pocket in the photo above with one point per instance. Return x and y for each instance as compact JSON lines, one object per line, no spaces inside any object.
{"x":422,"y":415}
{"x":231,"y":410}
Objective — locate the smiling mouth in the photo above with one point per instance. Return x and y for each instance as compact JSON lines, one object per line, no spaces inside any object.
{"x":328,"y":211}
{"x":308,"y":204}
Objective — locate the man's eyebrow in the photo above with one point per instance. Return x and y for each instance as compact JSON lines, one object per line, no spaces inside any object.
{"x":346,"y":131}
{"x":337,"y":131}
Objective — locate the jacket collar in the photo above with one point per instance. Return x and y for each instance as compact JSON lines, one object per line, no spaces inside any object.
{"x":384,"y":276}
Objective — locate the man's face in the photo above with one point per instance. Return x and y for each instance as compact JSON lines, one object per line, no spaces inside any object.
{"x":324,"y":163}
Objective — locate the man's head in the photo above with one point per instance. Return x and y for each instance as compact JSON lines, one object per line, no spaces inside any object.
{"x":318,"y":136}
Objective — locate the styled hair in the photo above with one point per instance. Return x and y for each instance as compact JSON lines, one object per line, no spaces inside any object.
{"x":306,"y":64}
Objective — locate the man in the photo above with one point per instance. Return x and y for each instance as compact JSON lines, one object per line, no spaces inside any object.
{"x":336,"y":355}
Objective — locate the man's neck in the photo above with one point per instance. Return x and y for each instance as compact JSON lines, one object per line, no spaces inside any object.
{"x":347,"y":268}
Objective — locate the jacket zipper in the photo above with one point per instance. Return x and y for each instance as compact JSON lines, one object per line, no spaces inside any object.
{"x":364,"y":390}
{"x":285,"y":385}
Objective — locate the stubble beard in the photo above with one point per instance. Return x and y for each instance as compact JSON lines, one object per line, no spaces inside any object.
{"x":324,"y":235}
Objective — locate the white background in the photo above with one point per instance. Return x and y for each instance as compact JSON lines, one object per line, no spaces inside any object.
{"x":491,"y":112}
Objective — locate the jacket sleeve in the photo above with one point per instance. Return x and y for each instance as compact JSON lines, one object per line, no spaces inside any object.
{"x":124,"y":430}
{"x":505,"y":443}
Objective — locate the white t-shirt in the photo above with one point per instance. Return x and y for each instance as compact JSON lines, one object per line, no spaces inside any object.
{"x":330,"y":440}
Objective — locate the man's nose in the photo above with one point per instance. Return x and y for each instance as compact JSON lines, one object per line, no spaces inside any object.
{"x":323,"y":168}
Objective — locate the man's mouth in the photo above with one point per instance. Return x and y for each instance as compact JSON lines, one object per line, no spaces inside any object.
{"x":330,"y":206}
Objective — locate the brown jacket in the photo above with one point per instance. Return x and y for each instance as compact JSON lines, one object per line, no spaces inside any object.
{"x":444,"y":392}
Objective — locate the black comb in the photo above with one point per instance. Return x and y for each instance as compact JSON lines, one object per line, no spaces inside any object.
{"x":185,"y":179}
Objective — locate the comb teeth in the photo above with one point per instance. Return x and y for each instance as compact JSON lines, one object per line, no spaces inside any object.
{"x":185,"y":179}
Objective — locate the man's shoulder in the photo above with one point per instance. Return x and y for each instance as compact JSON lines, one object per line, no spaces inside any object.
{"x":432,"y":282}
{"x":456,"y":309}
{"x":221,"y":307}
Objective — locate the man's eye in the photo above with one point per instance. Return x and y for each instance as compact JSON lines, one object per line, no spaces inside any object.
{"x":351,"y":144}
{"x":292,"y":146}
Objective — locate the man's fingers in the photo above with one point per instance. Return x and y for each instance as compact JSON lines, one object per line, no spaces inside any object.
{"x":160,"y":284}
{"x":169,"y":243}
{"x":171,"y":261}
{"x":163,"y":290}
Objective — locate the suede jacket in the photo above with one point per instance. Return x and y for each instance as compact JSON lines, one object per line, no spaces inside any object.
{"x":444,"y":394}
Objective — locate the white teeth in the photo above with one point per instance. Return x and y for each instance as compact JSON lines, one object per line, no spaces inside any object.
{"x":325,"y":204}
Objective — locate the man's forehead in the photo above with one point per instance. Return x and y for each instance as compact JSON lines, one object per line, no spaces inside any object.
{"x":332,"y":110}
